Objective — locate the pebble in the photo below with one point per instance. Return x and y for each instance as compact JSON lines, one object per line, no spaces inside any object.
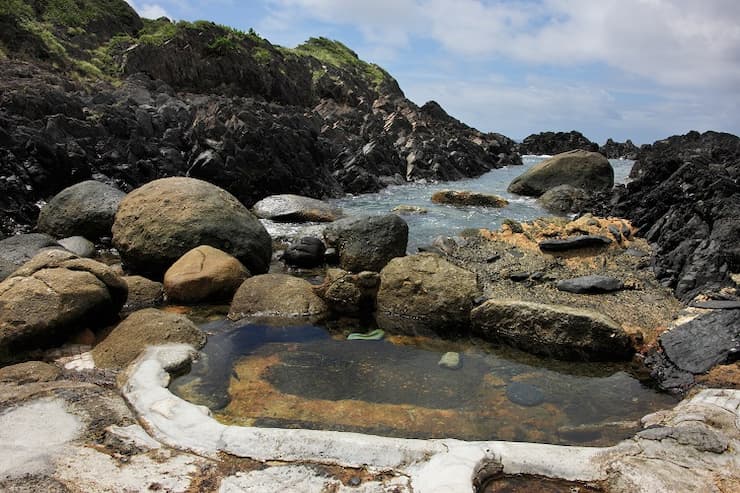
{"x":450,"y":360}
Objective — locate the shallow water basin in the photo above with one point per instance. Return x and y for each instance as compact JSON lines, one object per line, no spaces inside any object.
{"x":307,"y":377}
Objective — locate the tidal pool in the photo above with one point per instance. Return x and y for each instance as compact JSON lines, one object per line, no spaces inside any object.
{"x":308,"y":377}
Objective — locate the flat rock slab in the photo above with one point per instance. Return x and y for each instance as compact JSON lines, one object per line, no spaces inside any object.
{"x":590,"y":284}
{"x":717,"y":304}
{"x":296,"y":208}
{"x":574,"y":242}
{"x":704,"y":342}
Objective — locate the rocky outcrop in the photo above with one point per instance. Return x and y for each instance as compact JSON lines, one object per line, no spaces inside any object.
{"x":557,"y":331}
{"x":204,"y":274}
{"x":367,"y":242}
{"x":295,"y":209}
{"x":550,"y":143}
{"x":463,"y":198}
{"x":685,"y":199}
{"x":581,"y":169}
{"x":619,"y":150}
{"x":425,"y":294}
{"x":161,"y":221}
{"x":277,"y":296}
{"x":86,"y":209}
{"x":695,"y":347}
{"x":148,"y":327}
{"x":54,"y":295}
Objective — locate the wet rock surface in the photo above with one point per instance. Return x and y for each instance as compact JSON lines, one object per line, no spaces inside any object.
{"x":305,"y":252}
{"x":295,"y":209}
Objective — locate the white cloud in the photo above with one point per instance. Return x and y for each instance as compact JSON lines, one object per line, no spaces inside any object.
{"x":673,"y":42}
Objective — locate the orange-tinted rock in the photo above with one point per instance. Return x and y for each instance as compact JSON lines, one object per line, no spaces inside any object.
{"x":204,"y":274}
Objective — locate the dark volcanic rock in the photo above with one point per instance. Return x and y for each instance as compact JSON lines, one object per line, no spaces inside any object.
{"x":306,"y":252}
{"x":85,"y":209}
{"x":685,"y":197}
{"x":574,"y":242}
{"x":563,"y":199}
{"x":704,"y":342}
{"x":619,"y":150}
{"x":368,"y":242}
{"x":556,"y":142}
{"x":590,"y":284}
{"x":694,"y":348}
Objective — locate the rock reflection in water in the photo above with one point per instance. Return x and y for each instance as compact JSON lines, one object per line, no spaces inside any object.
{"x":302,"y":377}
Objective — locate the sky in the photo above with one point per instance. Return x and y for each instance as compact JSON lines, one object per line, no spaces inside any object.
{"x":626,"y":69}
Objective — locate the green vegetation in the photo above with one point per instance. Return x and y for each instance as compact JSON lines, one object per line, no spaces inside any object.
{"x":337,"y":55}
{"x":157,"y":32}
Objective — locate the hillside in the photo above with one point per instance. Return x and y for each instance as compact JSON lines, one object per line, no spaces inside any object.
{"x":90,"y":90}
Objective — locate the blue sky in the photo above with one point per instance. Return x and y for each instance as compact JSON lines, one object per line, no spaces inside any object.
{"x":626,"y":69}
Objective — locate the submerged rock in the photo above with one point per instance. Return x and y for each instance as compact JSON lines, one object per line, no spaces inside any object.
{"x":524,"y":394}
{"x":54,"y":295}
{"x":161,"y":221}
{"x":278,"y":296}
{"x":552,"y":330}
{"x":295,"y":209}
{"x":454,"y":197}
{"x":590,"y":284}
{"x":368,"y":242}
{"x":423,"y":294}
{"x":581,"y":169}
{"x":147,"y":327}
{"x":85,"y":209}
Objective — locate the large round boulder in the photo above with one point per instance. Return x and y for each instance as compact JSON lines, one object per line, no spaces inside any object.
{"x":54,"y":295}
{"x":367,"y":242}
{"x":204,"y":274}
{"x":424,"y":294}
{"x":557,"y":331}
{"x":159,"y":222}
{"x":147,"y":327}
{"x":580,"y":169}
{"x":276,"y":296}
{"x":85,"y":209}
{"x":563,"y":199}
{"x":296,"y":209}
{"x":19,"y":249}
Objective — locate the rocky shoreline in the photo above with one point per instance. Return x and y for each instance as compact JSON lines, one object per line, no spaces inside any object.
{"x":136,"y":175}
